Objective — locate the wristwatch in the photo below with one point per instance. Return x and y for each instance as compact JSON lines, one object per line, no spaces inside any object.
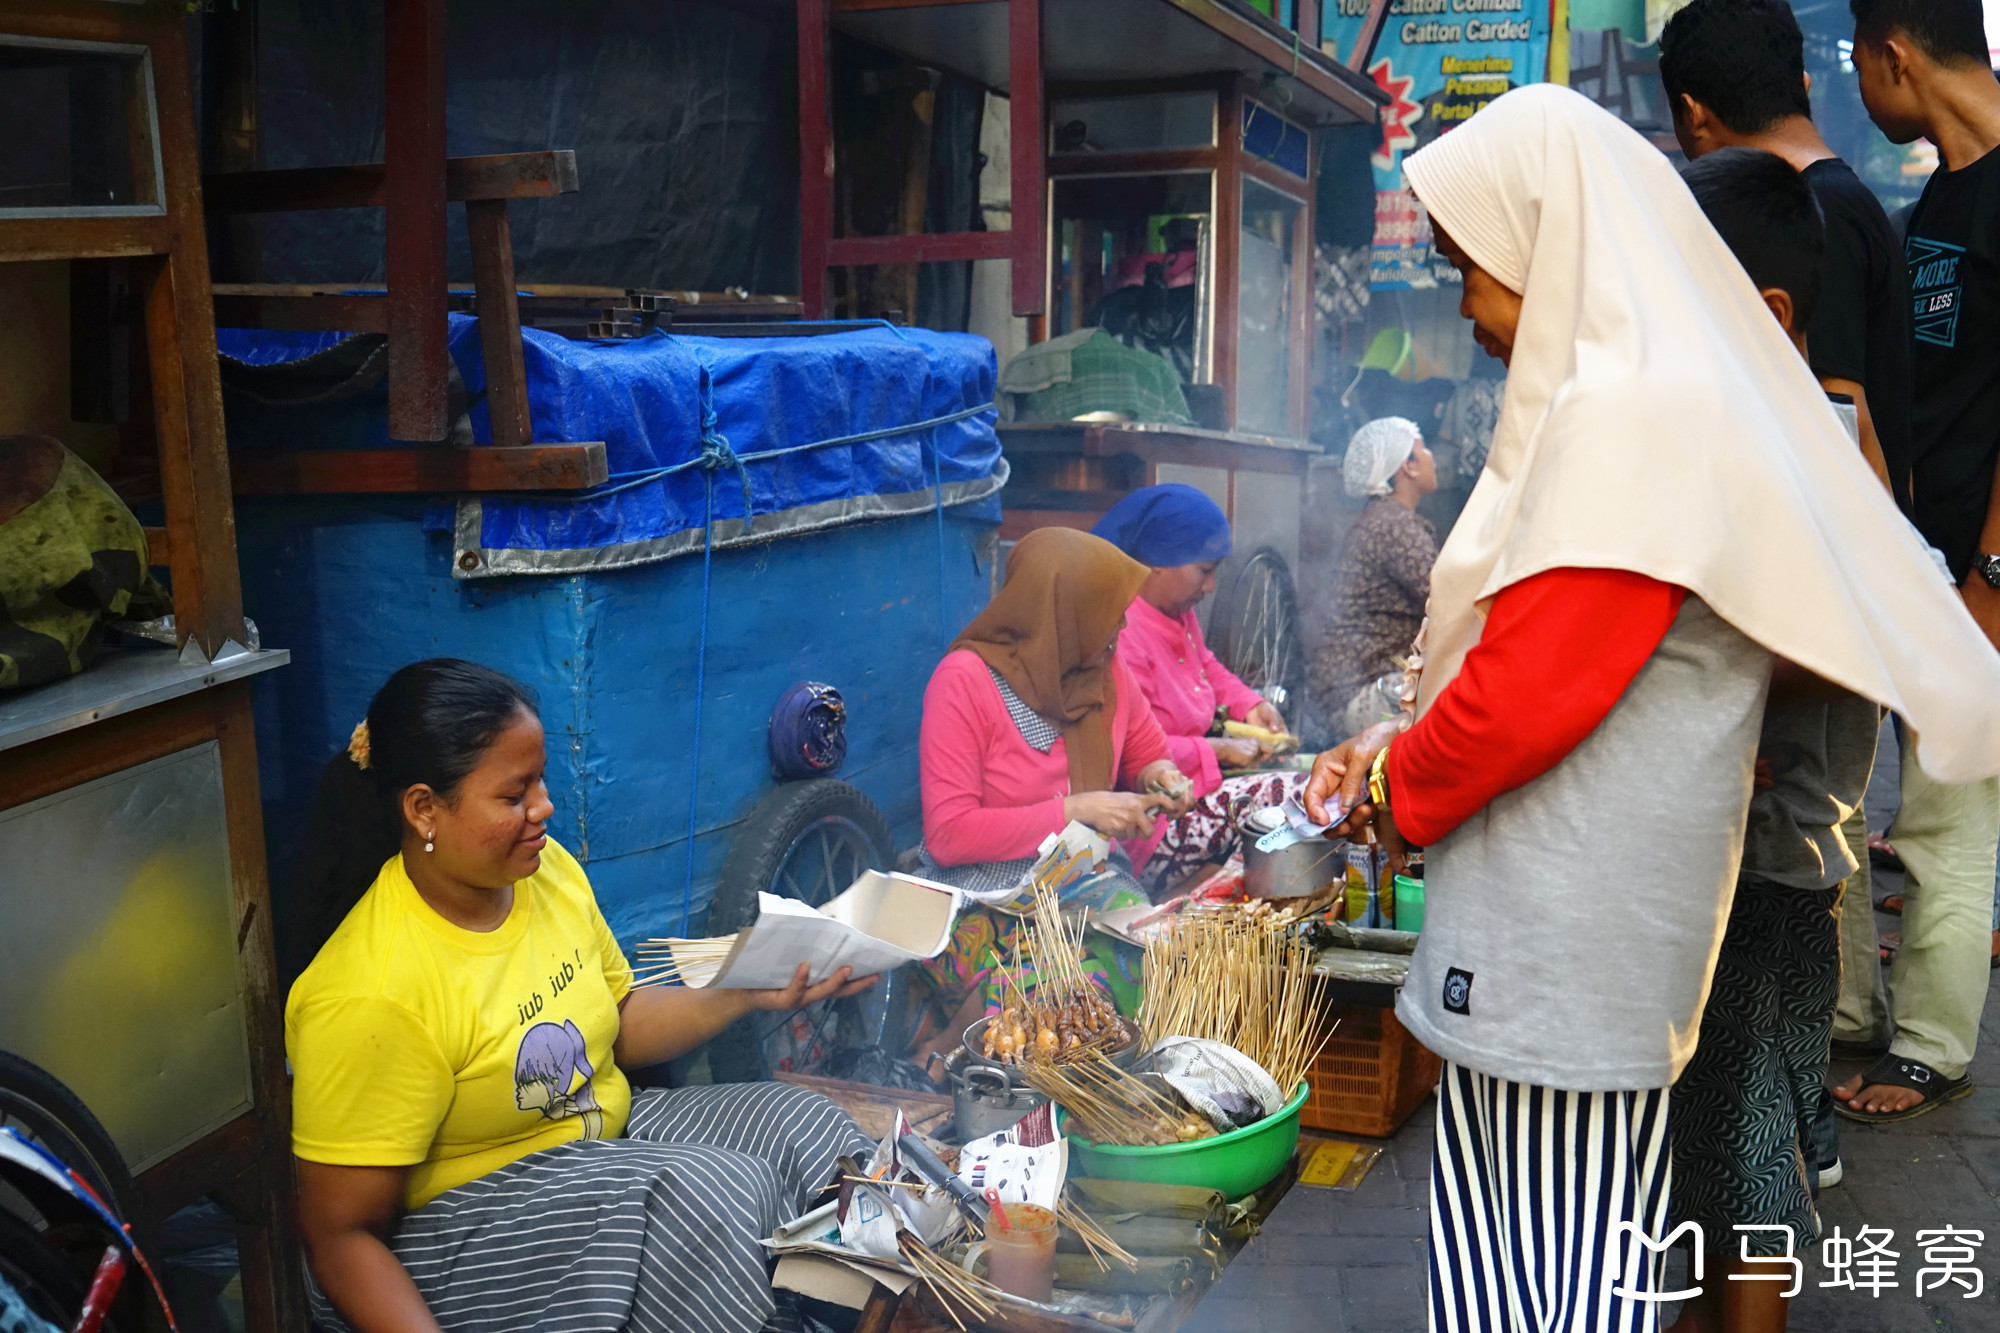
{"x":1378,"y":780}
{"x":1988,"y":568}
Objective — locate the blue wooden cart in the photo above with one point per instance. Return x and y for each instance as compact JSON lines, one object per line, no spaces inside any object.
{"x":659,"y":618}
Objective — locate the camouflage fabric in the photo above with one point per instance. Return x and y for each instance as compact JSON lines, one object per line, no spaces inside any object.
{"x":71,"y":557}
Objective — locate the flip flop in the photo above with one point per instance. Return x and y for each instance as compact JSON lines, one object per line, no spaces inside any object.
{"x":1892,"y":904}
{"x":1895,"y":1071}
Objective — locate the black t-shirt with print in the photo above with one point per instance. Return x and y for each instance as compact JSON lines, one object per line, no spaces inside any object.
{"x":1953,"y":248}
{"x":1861,"y":331}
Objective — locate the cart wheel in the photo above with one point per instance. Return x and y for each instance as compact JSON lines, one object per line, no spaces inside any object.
{"x":46,"y":1279}
{"x":810,"y":841}
{"x":1254,"y":629}
{"x":36,"y":1105}
{"x":49,"y":1243}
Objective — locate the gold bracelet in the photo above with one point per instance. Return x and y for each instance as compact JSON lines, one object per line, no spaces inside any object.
{"x":1378,"y":780}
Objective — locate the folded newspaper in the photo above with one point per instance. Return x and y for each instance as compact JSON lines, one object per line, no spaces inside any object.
{"x":881,"y":921}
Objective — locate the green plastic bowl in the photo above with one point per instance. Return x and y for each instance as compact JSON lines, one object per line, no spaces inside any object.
{"x":1240,"y":1162}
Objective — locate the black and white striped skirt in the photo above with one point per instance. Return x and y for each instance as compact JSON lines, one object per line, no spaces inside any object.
{"x":1529,"y":1191}
{"x":656,"y":1232}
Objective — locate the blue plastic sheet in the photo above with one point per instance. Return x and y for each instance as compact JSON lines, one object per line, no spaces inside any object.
{"x":665,"y":401}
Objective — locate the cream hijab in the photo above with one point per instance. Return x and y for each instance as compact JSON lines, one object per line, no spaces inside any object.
{"x":1657,"y":420}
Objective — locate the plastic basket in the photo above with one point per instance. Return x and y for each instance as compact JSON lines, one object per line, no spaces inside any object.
{"x":1371,"y":1075}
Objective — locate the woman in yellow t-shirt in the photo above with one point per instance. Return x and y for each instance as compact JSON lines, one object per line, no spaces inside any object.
{"x":470,"y":1156}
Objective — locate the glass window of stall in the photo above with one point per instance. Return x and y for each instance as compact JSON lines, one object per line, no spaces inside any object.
{"x":1133,"y":256}
{"x":1181,"y":225}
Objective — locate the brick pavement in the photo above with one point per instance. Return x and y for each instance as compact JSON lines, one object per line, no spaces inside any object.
{"x":1333,"y":1262}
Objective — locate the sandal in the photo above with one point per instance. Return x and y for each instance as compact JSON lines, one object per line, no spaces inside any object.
{"x":1882,"y":854}
{"x":1895,"y":1071}
{"x":1892,"y":904}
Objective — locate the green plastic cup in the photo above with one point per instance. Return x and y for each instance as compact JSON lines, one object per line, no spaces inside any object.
{"x":1409,"y":903}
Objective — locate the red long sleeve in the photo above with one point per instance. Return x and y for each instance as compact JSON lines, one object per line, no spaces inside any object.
{"x":1558,"y":652}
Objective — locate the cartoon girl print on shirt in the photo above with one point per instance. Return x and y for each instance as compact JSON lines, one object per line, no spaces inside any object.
{"x":549,"y":1060}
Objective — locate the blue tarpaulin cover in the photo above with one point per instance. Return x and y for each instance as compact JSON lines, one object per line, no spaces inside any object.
{"x":665,"y":401}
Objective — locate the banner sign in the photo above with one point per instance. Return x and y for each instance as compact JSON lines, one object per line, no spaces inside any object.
{"x":1439,"y":61}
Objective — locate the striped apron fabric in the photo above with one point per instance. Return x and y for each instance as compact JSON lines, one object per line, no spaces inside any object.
{"x":1528,"y":1189}
{"x":656,"y":1232}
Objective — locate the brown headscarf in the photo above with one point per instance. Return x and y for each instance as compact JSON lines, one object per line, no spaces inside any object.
{"x":1065,"y":593}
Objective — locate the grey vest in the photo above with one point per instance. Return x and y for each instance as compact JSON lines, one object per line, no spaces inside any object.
{"x":1572,"y":925}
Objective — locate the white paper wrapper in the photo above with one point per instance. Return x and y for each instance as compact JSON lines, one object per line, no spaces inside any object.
{"x":1024,"y":1163}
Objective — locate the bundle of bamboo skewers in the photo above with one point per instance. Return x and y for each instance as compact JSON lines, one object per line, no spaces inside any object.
{"x":1110,"y":1105}
{"x":1240,"y":979}
{"x":678,"y":962}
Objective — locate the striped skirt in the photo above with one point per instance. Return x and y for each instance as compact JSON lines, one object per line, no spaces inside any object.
{"x":1529,"y":1191}
{"x":656,"y":1232}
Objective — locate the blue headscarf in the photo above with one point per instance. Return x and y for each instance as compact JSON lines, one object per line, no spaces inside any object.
{"x":1166,"y":525}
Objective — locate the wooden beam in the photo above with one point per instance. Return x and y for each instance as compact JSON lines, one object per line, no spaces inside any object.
{"x":928,"y":248}
{"x":414,"y":196}
{"x":333,"y":314}
{"x":271,"y":1244}
{"x":492,"y":245}
{"x":815,"y":157}
{"x":179,"y":319}
{"x":1371,"y":32}
{"x":862,"y":6}
{"x":26,"y":239}
{"x":1283,"y":51}
{"x":364,"y":185}
{"x":1227,"y":249}
{"x":423,"y":469}
{"x":1026,"y":149}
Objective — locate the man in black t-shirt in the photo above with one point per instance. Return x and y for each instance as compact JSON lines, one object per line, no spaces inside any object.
{"x":1734,"y":73}
{"x":1924,"y":71}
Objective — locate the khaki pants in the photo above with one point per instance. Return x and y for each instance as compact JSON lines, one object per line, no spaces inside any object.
{"x":1863,"y":1013}
{"x":1946,"y":836}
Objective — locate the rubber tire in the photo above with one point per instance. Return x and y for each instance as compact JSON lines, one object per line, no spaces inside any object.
{"x":1220,"y":633}
{"x":735,"y":1055}
{"x":59,"y":1120}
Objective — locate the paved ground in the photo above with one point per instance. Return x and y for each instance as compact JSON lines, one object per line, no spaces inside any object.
{"x":1332,"y":1262}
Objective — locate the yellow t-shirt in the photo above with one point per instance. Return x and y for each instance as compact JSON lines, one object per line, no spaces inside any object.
{"x":417,"y":1043}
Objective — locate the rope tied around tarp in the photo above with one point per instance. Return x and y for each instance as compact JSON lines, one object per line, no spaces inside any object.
{"x":717,"y":454}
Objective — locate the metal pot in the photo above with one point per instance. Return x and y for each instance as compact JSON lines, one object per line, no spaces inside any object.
{"x":1297,"y":871}
{"x":984,"y":1100}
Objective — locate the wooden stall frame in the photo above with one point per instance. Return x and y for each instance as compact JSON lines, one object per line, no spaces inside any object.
{"x":1029,"y":245}
{"x":413,"y":185}
{"x":1229,"y":166}
{"x":246,"y":1163}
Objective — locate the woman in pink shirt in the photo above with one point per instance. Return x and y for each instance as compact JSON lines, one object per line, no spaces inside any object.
{"x":1183,"y":536}
{"x":1032,"y":720}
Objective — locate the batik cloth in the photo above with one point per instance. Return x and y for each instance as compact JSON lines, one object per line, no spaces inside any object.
{"x":1744,"y":1109}
{"x":655,"y":1232}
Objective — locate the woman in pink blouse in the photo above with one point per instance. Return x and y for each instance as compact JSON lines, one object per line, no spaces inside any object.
{"x":1183,"y":536}
{"x":1032,"y":720}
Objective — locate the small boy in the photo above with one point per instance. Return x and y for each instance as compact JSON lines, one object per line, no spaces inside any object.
{"x":1745,"y":1110}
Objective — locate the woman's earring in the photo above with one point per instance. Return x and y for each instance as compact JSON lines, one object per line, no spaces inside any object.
{"x":430,"y":844}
